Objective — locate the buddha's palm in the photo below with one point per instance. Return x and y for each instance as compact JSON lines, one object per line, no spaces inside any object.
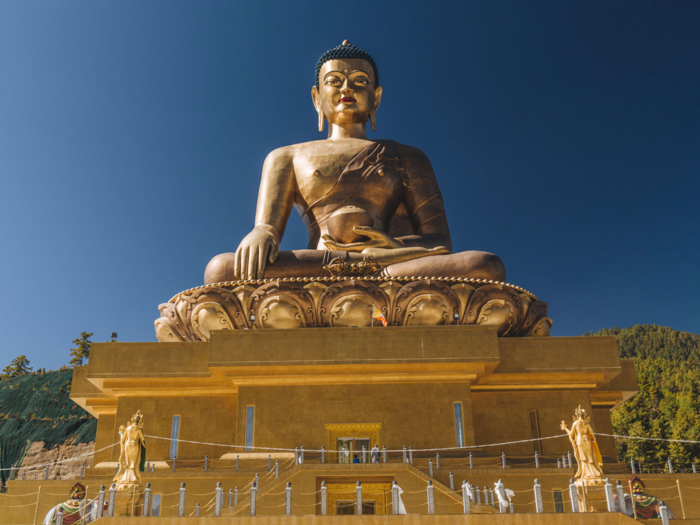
{"x":259,"y":247}
{"x":382,"y":247}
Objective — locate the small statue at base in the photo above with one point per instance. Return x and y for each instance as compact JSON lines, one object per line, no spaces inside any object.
{"x":641,"y":505}
{"x":132,"y":458}
{"x":590,"y":462}
{"x":77,"y":510}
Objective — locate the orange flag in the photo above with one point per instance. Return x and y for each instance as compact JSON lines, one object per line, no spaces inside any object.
{"x":376,"y":314}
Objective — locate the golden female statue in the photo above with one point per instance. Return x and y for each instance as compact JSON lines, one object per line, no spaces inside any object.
{"x":358,"y":198}
{"x":585,"y":446}
{"x":132,"y":458}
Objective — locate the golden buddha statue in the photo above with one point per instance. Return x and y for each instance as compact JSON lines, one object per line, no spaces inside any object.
{"x":361,"y":200}
{"x":378,"y":237}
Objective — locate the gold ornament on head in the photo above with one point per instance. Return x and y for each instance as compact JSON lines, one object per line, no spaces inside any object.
{"x":580,"y":413}
{"x":136,"y":418}
{"x":346,"y":43}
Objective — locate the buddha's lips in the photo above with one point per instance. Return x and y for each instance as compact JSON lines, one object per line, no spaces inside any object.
{"x":347,"y":99}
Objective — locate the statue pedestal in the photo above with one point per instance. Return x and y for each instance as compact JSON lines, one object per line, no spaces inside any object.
{"x":129,"y":501}
{"x":344,"y":302}
{"x":591,"y":495}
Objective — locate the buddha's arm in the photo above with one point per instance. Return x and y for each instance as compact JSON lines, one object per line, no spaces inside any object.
{"x":424,"y":204}
{"x":275,"y":201}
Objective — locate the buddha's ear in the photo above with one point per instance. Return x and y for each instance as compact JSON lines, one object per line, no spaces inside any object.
{"x":316,"y":97}
{"x":377,"y":97}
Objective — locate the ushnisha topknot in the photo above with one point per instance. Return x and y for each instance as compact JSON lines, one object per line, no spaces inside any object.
{"x":346,"y":50}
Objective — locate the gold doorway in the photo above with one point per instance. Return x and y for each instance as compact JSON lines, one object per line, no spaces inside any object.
{"x":346,"y":440}
{"x":342,"y":498}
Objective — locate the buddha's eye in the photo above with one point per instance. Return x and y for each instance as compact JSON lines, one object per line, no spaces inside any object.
{"x":361,"y":80}
{"x":333,"y":81}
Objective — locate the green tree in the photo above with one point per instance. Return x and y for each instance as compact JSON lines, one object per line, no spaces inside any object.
{"x":667,"y":405}
{"x":82,"y":349}
{"x":17,"y":367}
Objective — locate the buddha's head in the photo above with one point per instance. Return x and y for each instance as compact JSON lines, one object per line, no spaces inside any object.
{"x":347,"y":87}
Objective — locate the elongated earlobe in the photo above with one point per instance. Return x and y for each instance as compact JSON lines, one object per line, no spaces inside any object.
{"x":373,"y":119}
{"x":321,"y":120}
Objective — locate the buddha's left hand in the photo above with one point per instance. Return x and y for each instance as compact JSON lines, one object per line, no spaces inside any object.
{"x":383,"y":247}
{"x":377,"y":239}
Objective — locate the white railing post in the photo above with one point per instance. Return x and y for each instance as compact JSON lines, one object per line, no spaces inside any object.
{"x":384,"y":454}
{"x":59,"y":518}
{"x":452,"y":481}
{"x":632,"y":466}
{"x":358,"y":502}
{"x":430,"y":467}
{"x":323,"y":455}
{"x":609,"y":495}
{"x":394,"y":498}
{"x":112,"y":500}
{"x":181,"y":502}
{"x":218,"y":499}
{"x":573,"y":494}
{"x":466,"y":500}
{"x":324,"y":499}
{"x":538,"y":498}
{"x":405,"y":458}
{"x":146,"y":501}
{"x":437,"y":461}
{"x":471,"y":461}
{"x":101,"y":502}
{"x":253,"y":498}
{"x":670,"y":466}
{"x":431,"y":500}
{"x":206,"y":463}
{"x":663,"y":511}
{"x":621,"y":506}
{"x":410,"y":455}
{"x":288,"y":500}
{"x":537,"y":460}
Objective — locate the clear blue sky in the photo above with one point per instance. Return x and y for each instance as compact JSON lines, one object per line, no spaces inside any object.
{"x":565,"y":137}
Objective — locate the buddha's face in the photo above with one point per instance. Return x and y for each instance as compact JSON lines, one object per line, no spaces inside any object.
{"x":347,"y":93}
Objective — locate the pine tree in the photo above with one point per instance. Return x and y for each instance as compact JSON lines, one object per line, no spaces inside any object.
{"x":17,"y":367}
{"x":82,"y":350}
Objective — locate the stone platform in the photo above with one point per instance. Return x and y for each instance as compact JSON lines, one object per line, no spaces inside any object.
{"x":349,"y":302}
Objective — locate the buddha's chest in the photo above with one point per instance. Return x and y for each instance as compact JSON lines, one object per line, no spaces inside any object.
{"x":318,"y":170}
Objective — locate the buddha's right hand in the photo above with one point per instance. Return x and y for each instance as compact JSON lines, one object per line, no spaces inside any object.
{"x":256,"y":249}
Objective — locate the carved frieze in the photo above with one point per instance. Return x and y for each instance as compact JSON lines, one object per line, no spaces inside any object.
{"x":350,"y":301}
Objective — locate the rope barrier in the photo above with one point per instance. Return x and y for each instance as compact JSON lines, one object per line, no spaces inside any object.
{"x":17,"y":506}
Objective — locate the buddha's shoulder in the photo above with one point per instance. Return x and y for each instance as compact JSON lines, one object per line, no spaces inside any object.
{"x":315,"y":145}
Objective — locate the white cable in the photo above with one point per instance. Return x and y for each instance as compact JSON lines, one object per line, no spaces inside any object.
{"x":388,"y":451}
{"x":616,"y":436}
{"x":648,"y":439}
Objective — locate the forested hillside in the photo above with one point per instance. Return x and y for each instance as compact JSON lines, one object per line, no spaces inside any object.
{"x":668,"y":403}
{"x":36,"y":407}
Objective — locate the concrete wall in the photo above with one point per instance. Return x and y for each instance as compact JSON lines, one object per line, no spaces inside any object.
{"x":421,"y":416}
